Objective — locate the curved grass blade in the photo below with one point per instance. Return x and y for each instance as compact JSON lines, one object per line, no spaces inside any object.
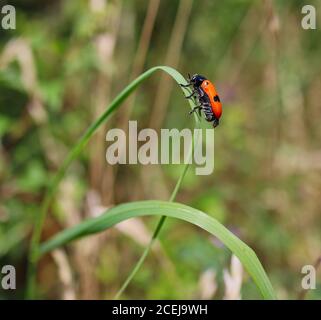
{"x":175,"y":210}
{"x":76,"y":150}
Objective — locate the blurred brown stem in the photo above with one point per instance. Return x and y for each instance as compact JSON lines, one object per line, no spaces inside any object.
{"x":140,"y":58}
{"x":172,"y":58}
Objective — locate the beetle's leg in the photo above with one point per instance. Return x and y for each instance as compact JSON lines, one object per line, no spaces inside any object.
{"x":191,"y":95}
{"x":199,"y":108}
{"x":185,"y":85}
{"x":189,"y":82}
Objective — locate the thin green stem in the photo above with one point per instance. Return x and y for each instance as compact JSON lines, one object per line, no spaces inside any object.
{"x":159,"y":224}
{"x":33,"y":256}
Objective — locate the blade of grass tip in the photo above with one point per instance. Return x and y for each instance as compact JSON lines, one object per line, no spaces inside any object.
{"x":53,"y":186}
{"x":126,"y":211}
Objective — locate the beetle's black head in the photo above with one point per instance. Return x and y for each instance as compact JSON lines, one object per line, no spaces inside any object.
{"x":197,"y":79}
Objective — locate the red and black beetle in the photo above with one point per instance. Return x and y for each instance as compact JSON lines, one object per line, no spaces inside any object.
{"x":208,"y":98}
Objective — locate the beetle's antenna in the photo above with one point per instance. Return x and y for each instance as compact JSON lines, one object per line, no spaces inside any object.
{"x":189,"y":76}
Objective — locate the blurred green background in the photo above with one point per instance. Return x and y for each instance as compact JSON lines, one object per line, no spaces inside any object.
{"x":63,"y":64}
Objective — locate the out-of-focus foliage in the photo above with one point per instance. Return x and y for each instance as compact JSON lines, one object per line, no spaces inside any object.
{"x":63,"y":64}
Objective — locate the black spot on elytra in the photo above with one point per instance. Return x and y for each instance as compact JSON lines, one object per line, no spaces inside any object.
{"x":217,"y":98}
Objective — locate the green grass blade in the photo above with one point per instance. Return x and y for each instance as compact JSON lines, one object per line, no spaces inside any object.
{"x":174,"y":210}
{"x":159,"y":225}
{"x":76,"y":150}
